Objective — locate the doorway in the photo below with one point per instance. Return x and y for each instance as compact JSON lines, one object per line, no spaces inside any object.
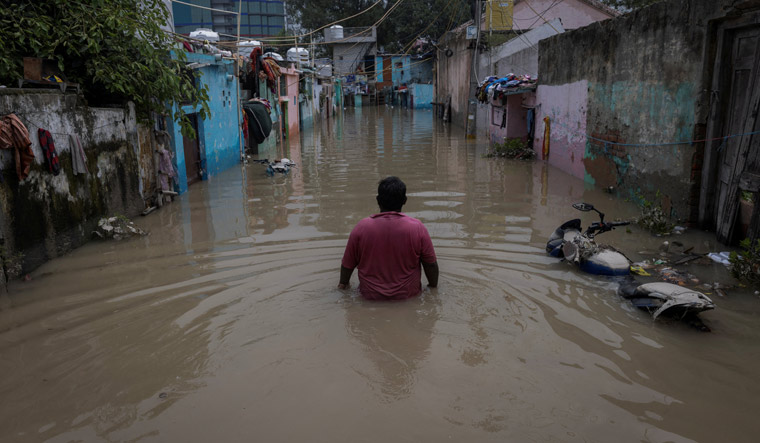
{"x":192,"y":153}
{"x":732,"y":164}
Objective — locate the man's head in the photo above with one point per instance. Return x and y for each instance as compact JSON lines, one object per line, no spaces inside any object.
{"x":391,"y":194}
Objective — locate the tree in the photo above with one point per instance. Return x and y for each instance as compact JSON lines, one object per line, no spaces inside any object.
{"x":404,"y":24}
{"x":313,"y":14}
{"x":115,"y":49}
{"x":427,"y":20}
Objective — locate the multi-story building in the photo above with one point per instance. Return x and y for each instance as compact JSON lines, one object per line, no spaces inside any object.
{"x":259,"y":18}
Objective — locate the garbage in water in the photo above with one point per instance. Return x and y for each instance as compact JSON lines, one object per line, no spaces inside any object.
{"x":117,"y":228}
{"x":638,"y":270}
{"x":281,"y":166}
{"x":680,"y":278}
{"x":720,"y":257}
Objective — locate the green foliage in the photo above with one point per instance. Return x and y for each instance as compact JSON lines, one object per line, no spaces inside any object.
{"x":653,"y":218}
{"x":745,"y":265}
{"x":514,"y":148}
{"x":115,"y":49}
{"x":748,"y":196}
{"x":412,"y":19}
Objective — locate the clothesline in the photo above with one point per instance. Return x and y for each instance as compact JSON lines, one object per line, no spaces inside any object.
{"x":643,"y":145}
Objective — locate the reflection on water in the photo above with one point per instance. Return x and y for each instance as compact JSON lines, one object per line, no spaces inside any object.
{"x":225,"y":325}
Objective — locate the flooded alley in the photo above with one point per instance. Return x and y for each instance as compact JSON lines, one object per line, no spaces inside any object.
{"x":225,"y":324}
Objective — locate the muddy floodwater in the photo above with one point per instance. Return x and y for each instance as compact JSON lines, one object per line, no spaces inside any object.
{"x":225,"y":324}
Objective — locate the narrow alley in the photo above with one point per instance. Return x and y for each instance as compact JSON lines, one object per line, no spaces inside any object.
{"x":225,"y":324}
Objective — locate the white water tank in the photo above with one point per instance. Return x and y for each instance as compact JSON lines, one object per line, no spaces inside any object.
{"x":245,"y":48}
{"x":336,"y":32}
{"x":273,"y":55}
{"x":205,"y":34}
{"x":298,"y":55}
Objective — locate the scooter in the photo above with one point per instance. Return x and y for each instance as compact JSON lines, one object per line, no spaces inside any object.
{"x":568,"y":242}
{"x":281,"y":166}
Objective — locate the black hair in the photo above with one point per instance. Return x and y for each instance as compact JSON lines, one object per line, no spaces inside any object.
{"x":391,"y":194}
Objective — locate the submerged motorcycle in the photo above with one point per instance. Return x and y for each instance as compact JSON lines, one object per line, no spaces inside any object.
{"x":571,"y":243}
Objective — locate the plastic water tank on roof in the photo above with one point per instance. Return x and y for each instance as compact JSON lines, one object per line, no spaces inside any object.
{"x":336,"y":31}
{"x":273,"y":55}
{"x":298,"y":55}
{"x":245,"y":48}
{"x":205,"y":34}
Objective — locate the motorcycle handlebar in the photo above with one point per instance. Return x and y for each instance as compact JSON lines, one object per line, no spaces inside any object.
{"x":613,"y":224}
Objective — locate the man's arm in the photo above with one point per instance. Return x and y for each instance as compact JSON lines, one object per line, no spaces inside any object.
{"x":345,"y":277}
{"x":431,"y":272}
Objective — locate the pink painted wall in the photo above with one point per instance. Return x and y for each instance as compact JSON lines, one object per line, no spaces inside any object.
{"x":290,"y":77}
{"x":516,"y":124}
{"x":566,"y":106}
{"x":573,"y":13}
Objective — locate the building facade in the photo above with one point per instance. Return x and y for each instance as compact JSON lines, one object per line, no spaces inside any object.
{"x":259,"y":18}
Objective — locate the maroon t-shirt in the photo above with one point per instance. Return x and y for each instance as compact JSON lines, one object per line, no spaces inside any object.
{"x":388,"y":248}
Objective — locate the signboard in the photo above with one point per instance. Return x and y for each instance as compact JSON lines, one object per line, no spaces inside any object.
{"x":499,"y":15}
{"x":472,"y":32}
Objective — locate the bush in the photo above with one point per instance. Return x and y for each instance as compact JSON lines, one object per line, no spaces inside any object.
{"x":512,"y":148}
{"x":653,"y":218}
{"x":745,"y":265}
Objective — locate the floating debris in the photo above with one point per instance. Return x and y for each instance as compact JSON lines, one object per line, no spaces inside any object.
{"x":117,"y":228}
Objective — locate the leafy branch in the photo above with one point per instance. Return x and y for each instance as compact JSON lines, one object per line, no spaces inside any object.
{"x":115,"y":49}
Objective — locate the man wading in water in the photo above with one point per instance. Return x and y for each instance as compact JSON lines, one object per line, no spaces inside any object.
{"x":390,"y":249}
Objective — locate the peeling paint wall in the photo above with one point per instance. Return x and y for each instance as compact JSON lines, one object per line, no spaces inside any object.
{"x":219,"y":135}
{"x":46,"y":215}
{"x":617,"y":116}
{"x":289,"y":101}
{"x":565,"y":105}
{"x":453,"y":77}
{"x":512,"y":114}
{"x":422,"y":96}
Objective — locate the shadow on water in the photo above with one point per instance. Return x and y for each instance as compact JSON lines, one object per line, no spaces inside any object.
{"x":225,"y":323}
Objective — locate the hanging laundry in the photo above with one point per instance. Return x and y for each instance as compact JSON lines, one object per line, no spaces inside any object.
{"x":78,"y":157}
{"x":48,"y":147}
{"x":14,"y":135}
{"x":166,"y":169}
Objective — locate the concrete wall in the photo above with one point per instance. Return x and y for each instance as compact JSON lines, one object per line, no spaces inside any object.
{"x":566,"y":107}
{"x":643,"y":81}
{"x":45,"y":216}
{"x":219,"y":135}
{"x":422,"y":96}
{"x":453,"y":77}
{"x":289,"y":102}
{"x":573,"y":13}
{"x":519,"y":55}
{"x":515,"y":124}
{"x":347,"y":56}
{"x":421,"y":71}
{"x":401,"y":69}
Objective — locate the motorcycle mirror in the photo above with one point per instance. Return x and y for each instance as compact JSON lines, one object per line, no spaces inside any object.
{"x":585,"y":207}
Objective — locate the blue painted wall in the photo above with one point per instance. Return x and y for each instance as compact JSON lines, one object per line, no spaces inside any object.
{"x":219,"y":135}
{"x":422,"y":96}
{"x":421,"y":71}
{"x":401,"y":72}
